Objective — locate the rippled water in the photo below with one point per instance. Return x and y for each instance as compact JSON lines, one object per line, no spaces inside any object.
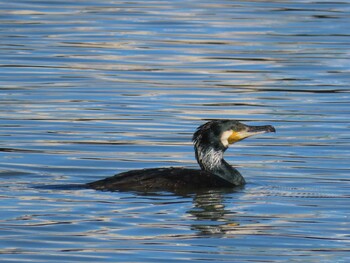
{"x":92,"y":88}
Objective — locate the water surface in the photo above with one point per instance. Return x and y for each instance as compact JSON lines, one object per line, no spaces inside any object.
{"x":92,"y":88}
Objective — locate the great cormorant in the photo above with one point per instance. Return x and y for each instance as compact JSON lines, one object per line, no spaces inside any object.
{"x":210,"y":142}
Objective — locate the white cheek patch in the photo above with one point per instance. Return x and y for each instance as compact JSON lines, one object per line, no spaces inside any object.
{"x":224,"y":138}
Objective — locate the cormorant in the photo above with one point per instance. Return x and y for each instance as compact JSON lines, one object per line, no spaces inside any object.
{"x":210,"y":140}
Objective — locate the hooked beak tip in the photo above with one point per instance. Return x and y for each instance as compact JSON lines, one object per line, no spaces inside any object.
{"x":261,"y":129}
{"x":270,"y":129}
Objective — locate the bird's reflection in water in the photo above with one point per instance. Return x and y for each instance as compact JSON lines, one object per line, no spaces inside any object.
{"x":210,"y":213}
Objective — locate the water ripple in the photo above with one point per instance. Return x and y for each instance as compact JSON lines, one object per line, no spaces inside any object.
{"x":89,"y":89}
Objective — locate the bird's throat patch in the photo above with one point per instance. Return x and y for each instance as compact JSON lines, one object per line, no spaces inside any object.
{"x":225,"y":138}
{"x":237,"y":136}
{"x":230,"y":137}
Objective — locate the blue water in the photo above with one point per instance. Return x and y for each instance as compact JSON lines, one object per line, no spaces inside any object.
{"x":93,"y":88}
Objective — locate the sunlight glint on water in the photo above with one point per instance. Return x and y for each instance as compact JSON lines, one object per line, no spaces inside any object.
{"x":93,"y":88}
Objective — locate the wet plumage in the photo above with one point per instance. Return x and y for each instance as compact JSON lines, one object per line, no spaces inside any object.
{"x":210,"y":140}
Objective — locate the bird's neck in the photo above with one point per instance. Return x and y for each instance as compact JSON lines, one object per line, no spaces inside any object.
{"x":212,"y":160}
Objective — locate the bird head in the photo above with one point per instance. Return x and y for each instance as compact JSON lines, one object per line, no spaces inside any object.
{"x":219,"y":134}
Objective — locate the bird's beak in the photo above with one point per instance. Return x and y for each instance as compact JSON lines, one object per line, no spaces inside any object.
{"x":249,"y":131}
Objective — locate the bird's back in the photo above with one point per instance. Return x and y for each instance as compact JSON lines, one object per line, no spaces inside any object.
{"x":159,"y":179}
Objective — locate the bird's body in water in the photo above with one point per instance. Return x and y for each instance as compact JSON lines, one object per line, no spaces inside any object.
{"x":210,"y":140}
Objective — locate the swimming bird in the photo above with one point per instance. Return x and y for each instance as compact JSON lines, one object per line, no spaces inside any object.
{"x":210,"y":141}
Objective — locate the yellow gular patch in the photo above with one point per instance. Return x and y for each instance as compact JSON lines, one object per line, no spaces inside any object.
{"x":237,"y":136}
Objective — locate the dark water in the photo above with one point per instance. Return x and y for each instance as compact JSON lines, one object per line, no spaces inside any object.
{"x":92,"y":88}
